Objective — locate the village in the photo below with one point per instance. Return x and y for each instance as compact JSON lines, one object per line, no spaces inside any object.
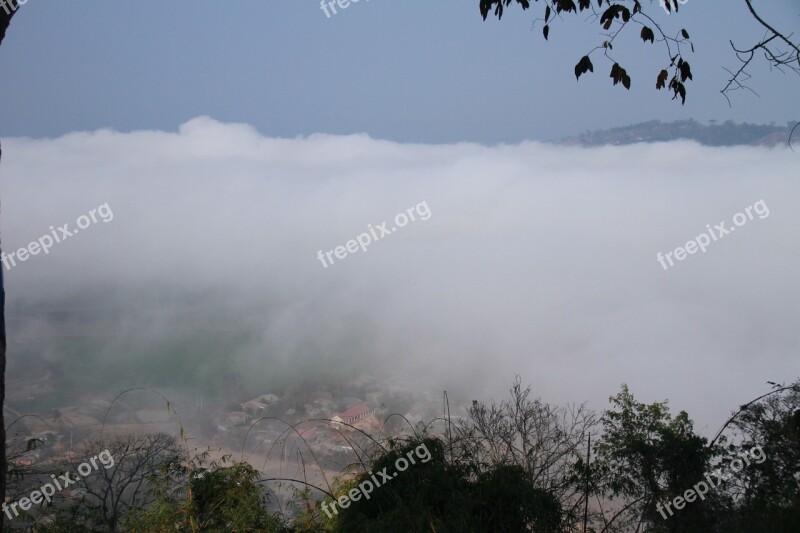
{"x":272,"y":430}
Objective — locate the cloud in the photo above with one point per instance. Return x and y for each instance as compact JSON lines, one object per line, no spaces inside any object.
{"x":537,"y":259}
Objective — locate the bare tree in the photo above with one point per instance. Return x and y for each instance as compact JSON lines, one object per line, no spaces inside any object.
{"x":779,"y":49}
{"x":109,"y":493}
{"x":543,"y":439}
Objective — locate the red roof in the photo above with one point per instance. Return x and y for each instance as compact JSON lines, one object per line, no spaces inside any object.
{"x":355,"y":411}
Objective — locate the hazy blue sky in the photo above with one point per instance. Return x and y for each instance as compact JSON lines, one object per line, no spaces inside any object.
{"x":406,"y":70}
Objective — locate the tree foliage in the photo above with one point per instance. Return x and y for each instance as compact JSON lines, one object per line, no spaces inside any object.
{"x":616,"y":17}
{"x":767,"y":494}
{"x":449,"y":495}
{"x":203,"y":495}
{"x":646,"y":456}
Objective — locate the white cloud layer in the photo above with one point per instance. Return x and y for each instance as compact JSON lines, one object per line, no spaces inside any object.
{"x":537,"y":259}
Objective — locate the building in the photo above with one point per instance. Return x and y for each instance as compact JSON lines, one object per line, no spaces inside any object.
{"x":259,"y":405}
{"x":237,"y":418}
{"x":354,"y":414}
{"x":253,"y":407}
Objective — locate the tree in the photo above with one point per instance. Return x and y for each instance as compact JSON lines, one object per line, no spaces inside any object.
{"x":542,"y":440}
{"x":780,"y":50}
{"x":645,"y":456}
{"x":108,"y":494}
{"x":448,"y":494}
{"x":767,"y":491}
{"x":198,"y":495}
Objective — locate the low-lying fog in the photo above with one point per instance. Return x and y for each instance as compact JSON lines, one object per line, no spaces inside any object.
{"x":534,"y":259}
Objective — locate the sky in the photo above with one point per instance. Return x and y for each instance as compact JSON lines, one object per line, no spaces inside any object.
{"x":410,"y":71}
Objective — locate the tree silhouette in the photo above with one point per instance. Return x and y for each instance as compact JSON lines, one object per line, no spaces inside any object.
{"x":7,"y":11}
{"x":780,"y":50}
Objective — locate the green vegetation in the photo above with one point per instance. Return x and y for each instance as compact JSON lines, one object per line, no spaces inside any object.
{"x":201,"y":497}
{"x":447,"y":494}
{"x":518,"y":465}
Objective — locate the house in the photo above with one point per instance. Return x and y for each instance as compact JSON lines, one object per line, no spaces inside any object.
{"x":253,"y":407}
{"x":28,"y":458}
{"x":354,"y":414}
{"x":259,"y":405}
{"x":237,"y":418}
{"x":268,"y":398}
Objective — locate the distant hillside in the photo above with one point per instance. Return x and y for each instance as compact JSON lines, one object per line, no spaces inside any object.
{"x":725,"y":134}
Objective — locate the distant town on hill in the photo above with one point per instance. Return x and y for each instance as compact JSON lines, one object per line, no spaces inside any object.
{"x":723,"y":134}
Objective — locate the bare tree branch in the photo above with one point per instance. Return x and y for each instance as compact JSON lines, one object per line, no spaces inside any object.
{"x":777,"y":58}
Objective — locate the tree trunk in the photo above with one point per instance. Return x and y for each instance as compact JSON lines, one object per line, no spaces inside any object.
{"x":2,"y":388}
{"x":3,"y":466}
{"x":7,"y":11}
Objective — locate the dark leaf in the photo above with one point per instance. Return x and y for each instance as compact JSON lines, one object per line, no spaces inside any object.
{"x":661,"y":81}
{"x":648,"y":35}
{"x":485,"y":6}
{"x":620,"y":76}
{"x":608,"y":15}
{"x":679,"y":89}
{"x":547,"y":14}
{"x":583,"y":66}
{"x":546,"y":31}
{"x":685,"y":34}
{"x":686,"y":71}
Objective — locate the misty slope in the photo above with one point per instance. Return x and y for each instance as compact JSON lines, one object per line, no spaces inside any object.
{"x":726,"y":134}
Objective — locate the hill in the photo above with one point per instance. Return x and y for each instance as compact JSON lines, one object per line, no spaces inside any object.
{"x":726,"y":134}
